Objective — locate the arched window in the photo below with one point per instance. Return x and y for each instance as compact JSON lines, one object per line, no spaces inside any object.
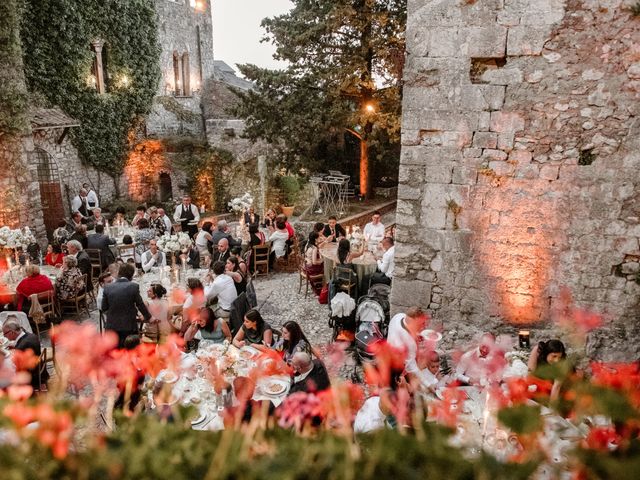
{"x":177,"y":73}
{"x":186,"y":75}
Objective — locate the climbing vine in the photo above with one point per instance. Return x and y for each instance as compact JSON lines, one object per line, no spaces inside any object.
{"x":57,"y":37}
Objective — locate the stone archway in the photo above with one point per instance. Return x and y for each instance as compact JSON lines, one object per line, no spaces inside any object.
{"x":50,"y":192}
{"x":166,"y":188}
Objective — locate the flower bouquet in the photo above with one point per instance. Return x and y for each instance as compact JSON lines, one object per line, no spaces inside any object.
{"x":240,"y":204}
{"x":174,"y":243}
{"x":18,"y":238}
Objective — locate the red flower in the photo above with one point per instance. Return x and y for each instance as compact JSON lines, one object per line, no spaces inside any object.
{"x":523,"y":389}
{"x":602,"y":438}
{"x":446,"y":411}
{"x":388,"y":359}
{"x":299,"y":409}
{"x":24,"y":360}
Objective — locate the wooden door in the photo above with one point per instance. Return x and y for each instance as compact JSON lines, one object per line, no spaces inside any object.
{"x":50,"y":192}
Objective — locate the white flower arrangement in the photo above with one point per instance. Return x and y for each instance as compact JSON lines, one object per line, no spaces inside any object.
{"x":18,"y":238}
{"x":240,"y":204}
{"x":174,"y":243}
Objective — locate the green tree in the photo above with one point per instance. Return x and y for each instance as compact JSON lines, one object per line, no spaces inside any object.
{"x":345,"y":64}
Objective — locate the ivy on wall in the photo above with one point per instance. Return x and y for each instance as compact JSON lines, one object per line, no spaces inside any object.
{"x":57,"y":37}
{"x":13,"y":95}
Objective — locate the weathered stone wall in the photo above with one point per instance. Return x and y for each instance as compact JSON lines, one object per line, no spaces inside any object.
{"x":182,"y":29}
{"x":520,"y":165}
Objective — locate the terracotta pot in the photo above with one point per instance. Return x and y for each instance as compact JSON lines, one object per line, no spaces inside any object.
{"x":288,"y":211}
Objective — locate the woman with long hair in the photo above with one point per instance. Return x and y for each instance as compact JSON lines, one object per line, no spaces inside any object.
{"x":293,"y":340}
{"x":254,"y":331}
{"x":208,"y":329}
{"x":548,"y":353}
{"x":313,"y":263}
{"x":158,"y":328}
{"x":232,"y":269}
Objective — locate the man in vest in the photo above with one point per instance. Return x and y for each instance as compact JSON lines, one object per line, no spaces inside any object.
{"x":188,"y":216}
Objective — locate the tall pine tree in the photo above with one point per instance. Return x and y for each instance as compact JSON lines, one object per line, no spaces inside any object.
{"x":345,"y":65}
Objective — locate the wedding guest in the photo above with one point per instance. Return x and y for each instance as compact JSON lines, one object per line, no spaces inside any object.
{"x":125,"y":255}
{"x":102,"y":242}
{"x":105,"y":278}
{"x":168,"y":226}
{"x":546,"y":353}
{"x":222,"y":252}
{"x":313,"y":263}
{"x":293,"y":340}
{"x":98,"y":218}
{"x":254,"y":331}
{"x":54,"y":255}
{"x":188,"y":216}
{"x":242,"y":265}
{"x":278,"y":237}
{"x":158,"y":328}
{"x":222,"y":231}
{"x":61,"y":234}
{"x":155,"y":222}
{"x":12,"y":330}
{"x":345,"y":255}
{"x":119,"y":220}
{"x":428,"y":375}
{"x":283,"y":218}
{"x":141,"y":213}
{"x":386,"y":265}
{"x":476,"y":366}
{"x":191,"y":256}
{"x":333,"y":231}
{"x":269,"y":218}
{"x":153,"y":257}
{"x":222,"y":287}
{"x":143,"y":235}
{"x":208,"y":329}
{"x":232,"y":268}
{"x":69,"y":282}
{"x":81,"y":235}
{"x":195,"y":299}
{"x":374,"y":230}
{"x":80,"y":203}
{"x":92,"y":197}
{"x":251,"y":217}
{"x":33,"y":282}
{"x":84,"y":262}
{"x":319,"y":229}
{"x":404,"y":331}
{"x":204,"y":240}
{"x":256,"y":237}
{"x":310,"y":375}
{"x":74,"y":222}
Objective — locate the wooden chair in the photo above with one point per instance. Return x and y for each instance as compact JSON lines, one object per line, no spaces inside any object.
{"x":261,"y":259}
{"x":308,"y":280}
{"x":126,"y":252}
{"x":292,"y":262}
{"x":345,"y":279}
{"x":95,"y":255}
{"x":76,"y":304}
{"x":49,"y":307}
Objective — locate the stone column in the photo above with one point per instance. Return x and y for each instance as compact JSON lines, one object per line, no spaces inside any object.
{"x":97,"y":48}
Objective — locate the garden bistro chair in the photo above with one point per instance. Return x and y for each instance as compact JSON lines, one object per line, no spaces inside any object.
{"x":308,"y":280}
{"x":77,"y":304}
{"x":95,"y":255}
{"x":346,"y":280}
{"x":126,"y":252}
{"x":261,"y":259}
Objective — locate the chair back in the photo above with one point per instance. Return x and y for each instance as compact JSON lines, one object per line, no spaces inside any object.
{"x":239,"y":308}
{"x":345,"y":279}
{"x":261,"y":258}
{"x":95,"y":255}
{"x":126,"y":252}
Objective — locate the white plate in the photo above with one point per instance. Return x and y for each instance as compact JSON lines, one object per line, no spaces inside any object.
{"x":431,"y":335}
{"x":272,"y":386}
{"x":200,"y":419}
{"x":249,"y":353}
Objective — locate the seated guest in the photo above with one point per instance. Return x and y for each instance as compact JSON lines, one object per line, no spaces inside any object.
{"x":236,"y":252}
{"x":162,"y":215}
{"x":333,"y":231}
{"x":251,"y":217}
{"x":191,"y":256}
{"x":142,"y":237}
{"x":204,"y":240}
{"x":127,"y":254}
{"x":374,"y":230}
{"x":293,"y":340}
{"x":69,"y":282}
{"x":81,"y":235}
{"x":84,"y":262}
{"x":121,"y":302}
{"x":101,"y":242}
{"x":222,"y":287}
{"x":33,"y":282}
{"x":119,"y":219}
{"x":222,"y":252}
{"x":278,"y":237}
{"x":319,"y":228}
{"x":548,"y":353}
{"x":255,"y":331}
{"x":155,"y":222}
{"x":310,"y":375}
{"x":12,"y":330}
{"x":54,"y":255}
{"x":475,"y":366}
{"x":283,"y":218}
{"x":387,"y":264}
{"x":269,"y":218}
{"x":105,"y":278}
{"x":232,"y":268}
{"x":74,"y":223}
{"x":429,"y":375}
{"x":158,"y":328}
{"x":345,"y":255}
{"x":313,"y":263}
{"x":404,"y":330}
{"x":153,"y":257}
{"x":222,"y":231}
{"x":195,"y":299}
{"x":256,"y":237}
{"x":61,"y":234}
{"x":208,"y":329}
{"x":98,"y":219}
{"x":141,"y":213}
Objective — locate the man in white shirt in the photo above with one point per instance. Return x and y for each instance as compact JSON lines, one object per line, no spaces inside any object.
{"x":386,"y":265}
{"x":222,"y":287}
{"x":153,"y":257}
{"x":429,"y":373}
{"x":80,"y":203}
{"x":92,"y":196}
{"x":188,"y":216}
{"x":482,"y":365}
{"x":374,"y":230}
{"x":167,"y":221}
{"x":404,"y":330}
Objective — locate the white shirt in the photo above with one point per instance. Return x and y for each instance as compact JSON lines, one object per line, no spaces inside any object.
{"x":387,"y":264}
{"x":475,"y":368}
{"x":76,"y":203}
{"x":427,"y":379}
{"x":92,"y":197}
{"x":201,"y":242}
{"x":148,"y":260}
{"x":177,"y":215}
{"x":374,"y":233}
{"x":167,"y":223}
{"x":224,"y":288}
{"x":279,"y":242}
{"x":399,"y":337}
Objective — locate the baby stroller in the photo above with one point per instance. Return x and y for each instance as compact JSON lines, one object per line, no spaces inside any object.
{"x":372,"y":320}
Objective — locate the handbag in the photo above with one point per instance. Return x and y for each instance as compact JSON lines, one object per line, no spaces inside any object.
{"x":323,"y":298}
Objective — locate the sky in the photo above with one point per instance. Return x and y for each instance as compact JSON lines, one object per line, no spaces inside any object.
{"x":237,"y":31}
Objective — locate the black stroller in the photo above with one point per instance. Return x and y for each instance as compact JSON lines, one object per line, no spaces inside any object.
{"x":372,"y":320}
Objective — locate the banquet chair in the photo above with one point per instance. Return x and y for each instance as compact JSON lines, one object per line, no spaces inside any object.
{"x":261,"y":259}
{"x":308,"y":280}
{"x":345,"y":280}
{"x":126,"y":252}
{"x":95,"y":255}
{"x":76,"y":304}
{"x":250,"y":292}
{"x":239,"y":308}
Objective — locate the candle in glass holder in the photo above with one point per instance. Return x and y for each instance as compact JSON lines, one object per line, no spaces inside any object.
{"x":524,"y":340}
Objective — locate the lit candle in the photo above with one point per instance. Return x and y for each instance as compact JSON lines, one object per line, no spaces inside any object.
{"x":202,"y":208}
{"x":485,"y":417}
{"x":524,"y":340}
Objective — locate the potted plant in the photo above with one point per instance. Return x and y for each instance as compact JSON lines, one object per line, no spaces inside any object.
{"x":290,"y":188}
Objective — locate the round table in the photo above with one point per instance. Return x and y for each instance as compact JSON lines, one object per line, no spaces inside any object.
{"x":365,"y":265}
{"x":11,"y":279}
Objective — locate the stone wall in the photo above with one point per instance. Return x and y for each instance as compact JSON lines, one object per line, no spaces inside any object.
{"x":520,"y":165}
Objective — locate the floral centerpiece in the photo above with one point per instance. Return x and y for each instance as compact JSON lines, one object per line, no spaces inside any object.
{"x":18,"y":238}
{"x":240,"y":204}
{"x":174,"y":243}
{"x":357,"y":239}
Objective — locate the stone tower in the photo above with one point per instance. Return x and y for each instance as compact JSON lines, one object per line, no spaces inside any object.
{"x":520,"y":165}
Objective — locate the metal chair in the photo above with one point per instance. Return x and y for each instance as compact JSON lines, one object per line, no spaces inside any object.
{"x":261,"y":259}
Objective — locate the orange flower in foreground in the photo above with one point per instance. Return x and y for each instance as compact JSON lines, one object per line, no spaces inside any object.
{"x":523,"y":389}
{"x":24,"y":360}
{"x":446,"y":411}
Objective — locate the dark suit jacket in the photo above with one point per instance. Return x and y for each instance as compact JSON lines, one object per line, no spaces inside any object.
{"x":247,"y":219}
{"x":340,"y":232}
{"x":121,"y":301}
{"x":316,"y":381}
{"x":84,"y":264}
{"x":194,"y":258}
{"x":102,"y":242}
{"x":222,"y":257}
{"x":29,"y":341}
{"x":217,"y":235}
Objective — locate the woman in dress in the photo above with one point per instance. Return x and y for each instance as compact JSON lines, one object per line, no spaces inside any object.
{"x":278,"y":238}
{"x":548,"y":353}
{"x":232,"y":269}
{"x":345,"y":255}
{"x":254,"y":331}
{"x":236,"y":252}
{"x":142,"y":237}
{"x":158,"y":328}
{"x":204,"y":240}
{"x":70,"y":281}
{"x":313,"y":263}
{"x":208,"y":329}
{"x":193,"y":303}
{"x":293,"y":340}
{"x":34,"y":282}
{"x":61,"y":234}
{"x":118,"y":219}
{"x":54,"y":255}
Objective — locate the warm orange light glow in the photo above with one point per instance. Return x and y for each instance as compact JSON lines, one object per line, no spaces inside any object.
{"x":146,"y":161}
{"x":369,"y":108}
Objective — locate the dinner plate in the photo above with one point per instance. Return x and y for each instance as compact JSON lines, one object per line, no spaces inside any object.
{"x":431,"y":335}
{"x":167,"y":376}
{"x":248,"y":353}
{"x":200,"y":419}
{"x":273,"y":386}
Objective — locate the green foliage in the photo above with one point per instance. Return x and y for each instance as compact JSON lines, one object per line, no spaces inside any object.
{"x":635,"y":9}
{"x":521,"y":418}
{"x":290,"y":187}
{"x":57,"y":38}
{"x":339,"y":53}
{"x":13,"y":95}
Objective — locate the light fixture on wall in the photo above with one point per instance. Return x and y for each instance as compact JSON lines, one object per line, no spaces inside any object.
{"x":91,"y":81}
